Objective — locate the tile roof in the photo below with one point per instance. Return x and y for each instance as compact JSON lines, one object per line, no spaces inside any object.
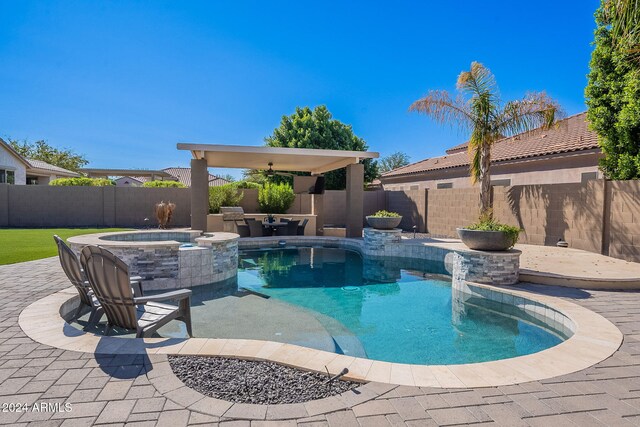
{"x":39,"y":164}
{"x":571,"y":134}
{"x":183,"y":175}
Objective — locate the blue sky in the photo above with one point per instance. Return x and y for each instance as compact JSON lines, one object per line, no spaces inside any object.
{"x":124,"y":81}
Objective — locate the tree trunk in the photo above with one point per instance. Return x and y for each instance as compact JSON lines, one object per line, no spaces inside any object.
{"x":485,"y":181}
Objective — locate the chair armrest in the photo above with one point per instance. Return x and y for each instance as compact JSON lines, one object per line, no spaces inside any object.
{"x":136,"y":286}
{"x":179,"y":294}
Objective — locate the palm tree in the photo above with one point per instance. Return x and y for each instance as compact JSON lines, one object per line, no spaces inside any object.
{"x":478,"y":109}
{"x":624,"y":17}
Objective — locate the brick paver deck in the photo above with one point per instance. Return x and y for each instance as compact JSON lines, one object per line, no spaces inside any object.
{"x":114,"y":390}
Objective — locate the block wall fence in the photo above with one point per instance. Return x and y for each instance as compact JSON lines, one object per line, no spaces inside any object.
{"x":45,"y":206}
{"x":597,"y":216}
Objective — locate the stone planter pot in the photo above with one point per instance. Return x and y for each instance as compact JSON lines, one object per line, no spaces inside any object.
{"x":384,"y":223}
{"x":484,"y":240}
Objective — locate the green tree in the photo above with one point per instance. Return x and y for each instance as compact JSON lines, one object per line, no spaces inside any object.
{"x":613,"y":97}
{"x":316,"y":128}
{"x":393,"y":161}
{"x":479,"y":110}
{"x":41,"y":150}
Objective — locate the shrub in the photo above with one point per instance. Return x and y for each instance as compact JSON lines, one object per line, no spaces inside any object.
{"x":81,"y":182}
{"x":224,"y":195}
{"x":164,"y":184}
{"x":248,"y":184}
{"x":274,"y":198}
{"x":386,"y":214}
{"x":487,"y":223}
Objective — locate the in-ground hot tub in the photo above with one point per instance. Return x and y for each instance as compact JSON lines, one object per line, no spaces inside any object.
{"x":168,"y":259}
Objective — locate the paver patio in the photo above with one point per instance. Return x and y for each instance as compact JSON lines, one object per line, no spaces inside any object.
{"x":113,"y":390}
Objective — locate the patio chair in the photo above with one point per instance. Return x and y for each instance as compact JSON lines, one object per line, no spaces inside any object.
{"x":243,"y":229}
{"x":109,"y":279}
{"x":290,"y":230}
{"x":302,"y":226}
{"x":71,"y":267}
{"x":256,"y":229}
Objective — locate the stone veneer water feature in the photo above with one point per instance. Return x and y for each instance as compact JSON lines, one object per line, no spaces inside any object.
{"x":464,"y":264}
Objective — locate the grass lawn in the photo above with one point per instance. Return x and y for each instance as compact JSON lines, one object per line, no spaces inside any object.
{"x":26,"y":244}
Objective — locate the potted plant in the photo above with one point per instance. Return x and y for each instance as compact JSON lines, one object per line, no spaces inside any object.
{"x":479,"y":109}
{"x":489,"y":235}
{"x":384,"y":220}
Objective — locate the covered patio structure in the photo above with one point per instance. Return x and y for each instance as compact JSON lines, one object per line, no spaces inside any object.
{"x":315,"y":161}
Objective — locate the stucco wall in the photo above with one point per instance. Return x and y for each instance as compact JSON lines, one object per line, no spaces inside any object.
{"x":551,"y":170}
{"x":9,"y":162}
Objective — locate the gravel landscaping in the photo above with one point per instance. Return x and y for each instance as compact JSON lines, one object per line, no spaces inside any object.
{"x":250,"y":381}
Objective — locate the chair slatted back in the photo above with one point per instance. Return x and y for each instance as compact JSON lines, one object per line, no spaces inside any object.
{"x":292,"y":227}
{"x":255,"y":228}
{"x":302,"y":226}
{"x":109,"y":278}
{"x":71,"y":267}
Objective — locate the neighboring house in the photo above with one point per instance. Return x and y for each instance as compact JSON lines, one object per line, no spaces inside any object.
{"x":137,"y":177}
{"x":568,"y":152}
{"x":128,"y":181}
{"x":15,"y":169}
{"x":183,"y":175}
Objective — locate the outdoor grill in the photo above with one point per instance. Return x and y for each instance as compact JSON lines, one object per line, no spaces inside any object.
{"x":230,"y":213}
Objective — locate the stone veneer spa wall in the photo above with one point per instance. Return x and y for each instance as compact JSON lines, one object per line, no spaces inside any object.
{"x":170,"y":259}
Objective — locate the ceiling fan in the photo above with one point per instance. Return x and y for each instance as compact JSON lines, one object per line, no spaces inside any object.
{"x":270,"y":172}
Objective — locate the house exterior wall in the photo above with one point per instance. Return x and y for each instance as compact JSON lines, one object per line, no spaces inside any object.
{"x":566,"y":168}
{"x":9,"y":162}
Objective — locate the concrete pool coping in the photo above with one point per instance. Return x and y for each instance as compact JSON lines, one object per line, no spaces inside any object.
{"x":554,"y":266}
{"x":594,"y":339}
{"x":99,"y":239}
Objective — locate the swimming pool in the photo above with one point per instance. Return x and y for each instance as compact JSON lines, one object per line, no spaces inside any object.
{"x":322,"y":298}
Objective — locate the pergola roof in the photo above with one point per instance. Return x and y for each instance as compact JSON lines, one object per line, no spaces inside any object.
{"x":315,"y":161}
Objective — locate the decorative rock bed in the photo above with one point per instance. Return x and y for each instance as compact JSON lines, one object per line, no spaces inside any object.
{"x":250,"y":381}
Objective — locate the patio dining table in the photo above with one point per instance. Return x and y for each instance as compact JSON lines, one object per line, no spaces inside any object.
{"x":273,"y":226}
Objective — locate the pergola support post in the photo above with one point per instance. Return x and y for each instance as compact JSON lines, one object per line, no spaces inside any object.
{"x":355,"y":199}
{"x":199,"y":194}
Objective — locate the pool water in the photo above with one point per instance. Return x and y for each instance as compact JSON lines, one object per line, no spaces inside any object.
{"x":324,"y":298}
